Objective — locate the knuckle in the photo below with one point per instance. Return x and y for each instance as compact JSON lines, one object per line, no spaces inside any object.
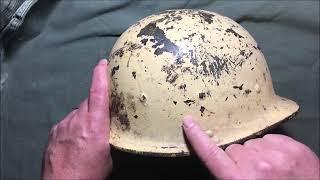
{"x":282,"y":157}
{"x":264,"y":166}
{"x":94,"y":116}
{"x":63,"y":124}
{"x":212,"y":153}
{"x":299,"y":149}
{"x":232,"y":147}
{"x":278,"y":137}
{"x":96,"y":91}
{"x":53,"y":130}
{"x":289,"y":143}
{"x":252,"y":142}
{"x":108,"y":147}
{"x":284,"y":162}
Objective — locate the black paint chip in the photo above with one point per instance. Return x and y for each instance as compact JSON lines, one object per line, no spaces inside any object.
{"x":247,"y":91}
{"x":161,"y":42}
{"x":183,"y":86}
{"x":114,"y":69}
{"x":202,"y":109}
{"x":238,"y":87}
{"x":189,"y":102}
{"x":202,"y":95}
{"x":207,"y":17}
{"x":134,"y":74}
{"x":144,"y":41}
{"x":229,"y":30}
{"x":119,"y":52}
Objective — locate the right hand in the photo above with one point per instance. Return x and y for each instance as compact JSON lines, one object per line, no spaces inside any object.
{"x":271,"y":157}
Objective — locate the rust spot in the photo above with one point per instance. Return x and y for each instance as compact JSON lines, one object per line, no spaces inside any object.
{"x":183,"y":86}
{"x":125,"y":123}
{"x":118,"y":110}
{"x":131,"y":104}
{"x":264,"y":108}
{"x":247,"y":91}
{"x":202,"y":95}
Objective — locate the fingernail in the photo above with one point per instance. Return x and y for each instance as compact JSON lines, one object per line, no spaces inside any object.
{"x":103,"y":61}
{"x":188,"y":122}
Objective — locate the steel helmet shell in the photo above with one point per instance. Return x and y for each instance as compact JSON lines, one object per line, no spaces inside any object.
{"x":189,"y":62}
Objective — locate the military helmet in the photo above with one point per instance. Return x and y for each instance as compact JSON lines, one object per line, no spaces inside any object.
{"x":189,"y":62}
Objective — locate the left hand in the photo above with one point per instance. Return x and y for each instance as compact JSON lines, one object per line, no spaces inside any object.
{"x":78,"y":146}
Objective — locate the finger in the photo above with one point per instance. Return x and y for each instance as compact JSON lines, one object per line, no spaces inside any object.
{"x":53,"y":133}
{"x":83,"y":108}
{"x":99,"y":99}
{"x":216,"y":160}
{"x":283,"y":143}
{"x":278,"y":138}
{"x":239,"y":154}
{"x":256,"y":144}
{"x":70,"y":115}
{"x":67,"y":119}
{"x":266,"y":149}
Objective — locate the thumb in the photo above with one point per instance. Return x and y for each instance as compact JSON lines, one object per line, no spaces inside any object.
{"x":214,"y":158}
{"x":99,"y":98}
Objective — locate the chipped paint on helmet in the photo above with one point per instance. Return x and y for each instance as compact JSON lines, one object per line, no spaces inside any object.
{"x":196,"y":62}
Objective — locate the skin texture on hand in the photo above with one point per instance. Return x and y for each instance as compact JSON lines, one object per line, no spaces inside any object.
{"x":271,"y":157}
{"x":78,"y":146}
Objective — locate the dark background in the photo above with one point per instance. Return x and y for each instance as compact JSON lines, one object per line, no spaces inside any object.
{"x":50,"y":61}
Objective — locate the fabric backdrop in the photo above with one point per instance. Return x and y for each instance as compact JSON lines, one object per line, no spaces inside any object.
{"x":50,"y":60}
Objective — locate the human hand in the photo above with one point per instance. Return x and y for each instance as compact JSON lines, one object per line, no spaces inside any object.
{"x":271,"y":157}
{"x":78,"y":146}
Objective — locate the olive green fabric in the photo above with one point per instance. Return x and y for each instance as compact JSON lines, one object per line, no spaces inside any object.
{"x":12,"y":14}
{"x":49,"y":64}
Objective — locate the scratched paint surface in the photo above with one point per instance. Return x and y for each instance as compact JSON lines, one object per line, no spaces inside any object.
{"x":196,"y":62}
